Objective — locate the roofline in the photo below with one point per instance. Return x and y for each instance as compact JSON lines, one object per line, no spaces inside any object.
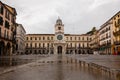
{"x":22,"y":27}
{"x":64,"y":34}
{"x":7,"y":8}
{"x":108,"y":21}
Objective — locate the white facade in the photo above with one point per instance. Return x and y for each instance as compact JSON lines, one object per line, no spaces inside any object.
{"x":20,"y":38}
{"x":106,"y":38}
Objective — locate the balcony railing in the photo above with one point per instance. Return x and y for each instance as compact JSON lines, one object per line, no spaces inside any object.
{"x":9,"y":38}
{"x":116,"y":33}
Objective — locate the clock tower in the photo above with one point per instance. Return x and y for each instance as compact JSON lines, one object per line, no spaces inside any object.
{"x":59,"y":43}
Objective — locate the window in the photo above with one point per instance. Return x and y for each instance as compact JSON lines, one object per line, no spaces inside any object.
{"x":43,"y":38}
{"x":5,"y":33}
{"x":27,"y":38}
{"x":43,"y":45}
{"x":59,"y":28}
{"x":87,"y":39}
{"x":70,"y":44}
{"x":51,"y":38}
{"x":7,"y":15}
{"x":27,"y":45}
{"x":39,"y":38}
{"x":83,"y":45}
{"x":48,"y":38}
{"x":70,"y":38}
{"x":1,"y":20}
{"x":0,"y":32}
{"x":7,"y":24}
{"x":39,"y":45}
{"x":1,"y":9}
{"x":30,"y":38}
{"x":118,"y":21}
{"x":79,"y":38}
{"x":83,"y":38}
{"x":75,"y":38}
{"x":35,"y":38}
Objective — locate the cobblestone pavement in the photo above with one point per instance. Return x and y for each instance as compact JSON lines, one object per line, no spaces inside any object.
{"x":53,"y":68}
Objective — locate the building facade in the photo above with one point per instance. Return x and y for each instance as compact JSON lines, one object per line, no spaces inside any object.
{"x":7,"y":29}
{"x":58,"y":43}
{"x":20,"y":39}
{"x":116,"y":33}
{"x":106,"y":38}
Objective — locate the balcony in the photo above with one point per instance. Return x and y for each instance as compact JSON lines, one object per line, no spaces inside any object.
{"x":117,"y":33}
{"x":117,"y":42}
{"x":117,"y":24}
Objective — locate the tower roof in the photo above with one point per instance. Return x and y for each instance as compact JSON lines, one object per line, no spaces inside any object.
{"x":59,"y":21}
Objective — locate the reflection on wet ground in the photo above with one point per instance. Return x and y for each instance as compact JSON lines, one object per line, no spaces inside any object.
{"x":58,"y":70}
{"x":9,"y":61}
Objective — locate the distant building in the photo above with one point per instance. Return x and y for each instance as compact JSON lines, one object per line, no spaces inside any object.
{"x":58,"y":43}
{"x":7,"y":29}
{"x":94,"y":43}
{"x":20,"y":39}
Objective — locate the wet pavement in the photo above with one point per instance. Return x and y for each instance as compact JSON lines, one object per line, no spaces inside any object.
{"x":110,"y":61}
{"x":53,"y":68}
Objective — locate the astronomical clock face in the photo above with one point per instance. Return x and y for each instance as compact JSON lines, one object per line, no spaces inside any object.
{"x":59,"y":37}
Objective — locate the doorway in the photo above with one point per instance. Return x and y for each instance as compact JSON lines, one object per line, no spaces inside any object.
{"x":59,"y":49}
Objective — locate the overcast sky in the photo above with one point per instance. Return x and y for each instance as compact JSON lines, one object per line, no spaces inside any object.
{"x":78,"y":16}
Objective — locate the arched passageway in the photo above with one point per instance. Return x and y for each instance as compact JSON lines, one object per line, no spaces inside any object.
{"x":59,"y":49}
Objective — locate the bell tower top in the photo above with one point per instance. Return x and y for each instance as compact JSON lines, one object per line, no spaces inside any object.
{"x":59,"y":21}
{"x":59,"y":26}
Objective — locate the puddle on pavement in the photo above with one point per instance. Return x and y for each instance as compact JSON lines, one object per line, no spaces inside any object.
{"x":7,"y":62}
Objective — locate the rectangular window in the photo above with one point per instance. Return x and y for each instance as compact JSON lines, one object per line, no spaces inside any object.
{"x":1,"y":20}
{"x":35,"y":38}
{"x":7,"y":24}
{"x":1,"y":9}
{"x":27,"y":38}
{"x":43,"y":38}
{"x":87,"y":39}
{"x":118,"y":21}
{"x":83,"y":38}
{"x":39,"y":45}
{"x":51,"y":38}
{"x":4,"y":33}
{"x":0,"y":32}
{"x":75,"y":38}
{"x":70,"y":38}
{"x":48,"y":38}
{"x":79,"y":38}
{"x":30,"y":38}
{"x":39,"y":38}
